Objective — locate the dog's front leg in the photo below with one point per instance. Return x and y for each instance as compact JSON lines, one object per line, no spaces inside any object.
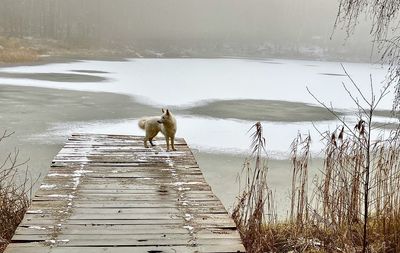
{"x":172,"y":143}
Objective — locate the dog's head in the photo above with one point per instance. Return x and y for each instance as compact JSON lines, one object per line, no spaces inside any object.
{"x":165,"y":116}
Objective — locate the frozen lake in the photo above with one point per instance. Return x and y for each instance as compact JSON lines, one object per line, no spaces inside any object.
{"x":189,"y":83}
{"x":179,"y":82}
{"x":216,"y":101}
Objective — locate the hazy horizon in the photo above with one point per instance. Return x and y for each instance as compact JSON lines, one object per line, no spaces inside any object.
{"x":189,"y":28}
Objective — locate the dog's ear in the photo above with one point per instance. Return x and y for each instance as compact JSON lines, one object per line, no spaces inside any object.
{"x":168,"y":112}
{"x":162,"y":110}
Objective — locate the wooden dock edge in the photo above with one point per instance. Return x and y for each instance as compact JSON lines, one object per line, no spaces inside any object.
{"x":107,"y":193}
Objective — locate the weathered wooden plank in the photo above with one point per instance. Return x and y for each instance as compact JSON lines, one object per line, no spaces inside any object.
{"x":90,"y":169}
{"x":139,"y":184}
{"x":123,"y":197}
{"x":107,"y":193}
{"x":117,"y":236}
{"x":145,"y":210}
{"x":173,"y":228}
{"x":38,"y":248}
{"x":92,"y":222}
{"x":213,"y":217}
{"x":132,"y":241}
{"x":127,"y":204}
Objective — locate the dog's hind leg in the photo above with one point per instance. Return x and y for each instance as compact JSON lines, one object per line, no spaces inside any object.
{"x":167,"y":140}
{"x":145,"y":142}
{"x":149,"y":137}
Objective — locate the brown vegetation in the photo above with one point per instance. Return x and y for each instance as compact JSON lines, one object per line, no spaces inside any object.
{"x":354,"y":206}
{"x":12,"y":51}
{"x":254,"y":211}
{"x":14,"y":197}
{"x":333,"y":221}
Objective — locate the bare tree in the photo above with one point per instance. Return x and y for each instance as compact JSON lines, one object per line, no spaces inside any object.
{"x":362,"y":138}
{"x":384,"y":16}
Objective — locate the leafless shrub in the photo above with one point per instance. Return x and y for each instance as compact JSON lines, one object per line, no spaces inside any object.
{"x":14,"y":197}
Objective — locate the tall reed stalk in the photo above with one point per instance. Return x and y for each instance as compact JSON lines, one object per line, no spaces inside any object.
{"x":300,"y":157}
{"x":255,"y":207}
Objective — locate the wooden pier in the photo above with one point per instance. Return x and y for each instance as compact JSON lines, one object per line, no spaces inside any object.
{"x":107,"y":193}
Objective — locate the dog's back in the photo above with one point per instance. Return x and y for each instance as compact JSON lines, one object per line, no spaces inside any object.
{"x":150,"y":123}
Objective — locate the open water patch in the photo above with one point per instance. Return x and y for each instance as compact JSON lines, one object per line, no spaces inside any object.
{"x":332,"y":74}
{"x":261,"y":110}
{"x":54,"y":77}
{"x":90,"y":71}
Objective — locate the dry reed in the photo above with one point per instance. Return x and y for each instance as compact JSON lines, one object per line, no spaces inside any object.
{"x":356,"y":201}
{"x":333,"y":219}
{"x":255,"y":207}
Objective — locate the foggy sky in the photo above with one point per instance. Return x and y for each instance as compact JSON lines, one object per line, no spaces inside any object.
{"x":183,"y":23}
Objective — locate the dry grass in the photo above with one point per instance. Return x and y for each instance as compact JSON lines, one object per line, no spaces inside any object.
{"x":338,"y":209}
{"x":333,"y":219}
{"x":354,"y":206}
{"x":14,"y":198}
{"x":12,"y":51}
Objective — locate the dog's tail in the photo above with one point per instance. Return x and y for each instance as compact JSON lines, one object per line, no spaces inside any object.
{"x":142,"y":123}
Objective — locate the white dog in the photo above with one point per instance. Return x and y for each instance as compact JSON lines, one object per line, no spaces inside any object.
{"x":153,"y":125}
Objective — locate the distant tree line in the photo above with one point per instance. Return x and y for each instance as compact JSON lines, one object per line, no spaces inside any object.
{"x":71,"y":21}
{"x":291,"y":27}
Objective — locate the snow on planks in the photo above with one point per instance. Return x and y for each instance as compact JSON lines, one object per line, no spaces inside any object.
{"x":107,"y":193}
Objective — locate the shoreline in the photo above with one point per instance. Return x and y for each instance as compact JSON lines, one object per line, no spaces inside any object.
{"x":120,"y":56}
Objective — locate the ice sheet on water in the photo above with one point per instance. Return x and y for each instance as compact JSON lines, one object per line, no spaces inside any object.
{"x":191,"y":80}
{"x":227,"y":79}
